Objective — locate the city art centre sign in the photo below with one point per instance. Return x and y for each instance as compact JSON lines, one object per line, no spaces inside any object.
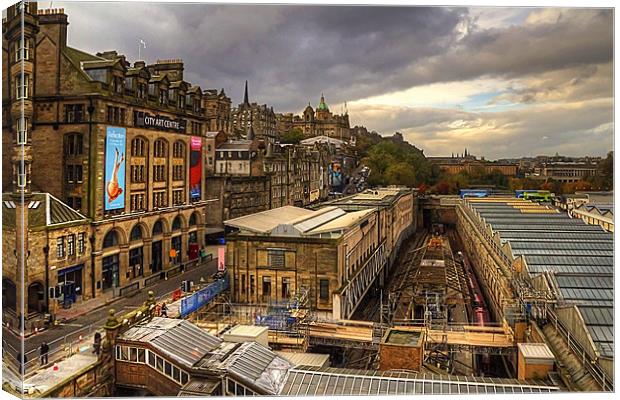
{"x":161,"y":123}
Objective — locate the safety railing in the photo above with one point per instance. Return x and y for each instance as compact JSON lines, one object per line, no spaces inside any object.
{"x":590,"y":363}
{"x":59,"y":349}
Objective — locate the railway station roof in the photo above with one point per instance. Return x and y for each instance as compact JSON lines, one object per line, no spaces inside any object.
{"x":291,"y":221}
{"x":322,"y":381}
{"x":178,"y":339}
{"x":577,"y":257}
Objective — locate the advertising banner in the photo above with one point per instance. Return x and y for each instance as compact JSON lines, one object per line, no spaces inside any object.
{"x":195,"y":167}
{"x":114,"y":168}
{"x":221,"y":265}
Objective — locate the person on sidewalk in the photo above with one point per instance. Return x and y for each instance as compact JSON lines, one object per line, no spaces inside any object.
{"x":97,"y":344}
{"x":164,"y":310}
{"x":44,"y":349}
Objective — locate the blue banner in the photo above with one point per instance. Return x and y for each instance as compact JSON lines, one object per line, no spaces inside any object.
{"x":114,"y":168}
{"x":202,"y":297}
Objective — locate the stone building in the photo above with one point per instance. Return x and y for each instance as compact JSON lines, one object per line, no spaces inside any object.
{"x":217,"y":108}
{"x":121,"y":144}
{"x":332,"y":254}
{"x":320,"y":122}
{"x":469,"y":163}
{"x":212,"y":141}
{"x":260,"y":117}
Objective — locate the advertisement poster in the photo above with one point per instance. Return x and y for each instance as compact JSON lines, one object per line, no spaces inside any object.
{"x":115,"y":168}
{"x":221,"y":264}
{"x":195,"y":168}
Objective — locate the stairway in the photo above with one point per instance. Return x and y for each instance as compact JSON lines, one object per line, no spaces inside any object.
{"x":578,"y":375}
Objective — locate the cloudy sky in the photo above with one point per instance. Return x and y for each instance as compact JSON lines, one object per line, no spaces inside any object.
{"x":503,"y":82}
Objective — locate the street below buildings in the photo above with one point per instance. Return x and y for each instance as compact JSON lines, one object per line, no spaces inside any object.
{"x":95,"y":319}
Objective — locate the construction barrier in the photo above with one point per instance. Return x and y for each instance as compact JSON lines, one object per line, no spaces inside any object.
{"x":203,"y":296}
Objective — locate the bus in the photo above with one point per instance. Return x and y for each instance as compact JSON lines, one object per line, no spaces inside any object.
{"x":520,"y":193}
{"x":474,"y":193}
{"x":538,"y":195}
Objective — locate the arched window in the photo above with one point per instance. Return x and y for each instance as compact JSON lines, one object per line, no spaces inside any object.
{"x":193,"y":220}
{"x":110,"y":239}
{"x":73,"y":144}
{"x":158,"y":228}
{"x":178,"y":149}
{"x":138,"y":147}
{"x":160,"y":148}
{"x":176,"y":224}
{"x":136,"y":233}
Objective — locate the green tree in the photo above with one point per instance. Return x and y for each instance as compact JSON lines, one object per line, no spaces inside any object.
{"x":294,"y":136}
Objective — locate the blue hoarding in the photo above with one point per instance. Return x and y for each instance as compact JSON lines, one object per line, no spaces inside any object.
{"x":115,"y":168}
{"x":198,"y":299}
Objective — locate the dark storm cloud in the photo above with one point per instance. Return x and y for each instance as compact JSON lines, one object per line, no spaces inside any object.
{"x":290,"y":54}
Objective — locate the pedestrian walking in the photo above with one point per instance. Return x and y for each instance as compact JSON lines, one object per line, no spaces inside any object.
{"x":97,"y":343}
{"x":164,"y":310}
{"x":44,"y":350}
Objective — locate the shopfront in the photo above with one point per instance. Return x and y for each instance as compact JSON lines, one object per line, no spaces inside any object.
{"x":109,"y":272}
{"x":70,"y":282}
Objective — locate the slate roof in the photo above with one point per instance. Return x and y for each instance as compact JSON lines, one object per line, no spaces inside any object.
{"x":44,"y":210}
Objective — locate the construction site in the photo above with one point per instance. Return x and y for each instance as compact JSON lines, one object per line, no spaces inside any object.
{"x":452,"y":308}
{"x":477,"y":296}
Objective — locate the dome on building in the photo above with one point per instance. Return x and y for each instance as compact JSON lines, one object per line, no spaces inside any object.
{"x":322,"y":105}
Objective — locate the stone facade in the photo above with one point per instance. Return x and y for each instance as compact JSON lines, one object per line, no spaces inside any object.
{"x":72,"y":100}
{"x":261,"y":118}
{"x":319,"y":122}
{"x":218,"y":110}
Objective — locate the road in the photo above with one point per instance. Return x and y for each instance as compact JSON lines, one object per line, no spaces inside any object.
{"x":98,"y":317}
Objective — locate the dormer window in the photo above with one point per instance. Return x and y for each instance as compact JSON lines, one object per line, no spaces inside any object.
{"x":129,"y":84}
{"x":189,"y":99}
{"x":163,"y":96}
{"x":182,"y":101}
{"x":118,"y":84}
{"x":98,"y":74}
{"x":152,"y":89}
{"x":141,"y":92}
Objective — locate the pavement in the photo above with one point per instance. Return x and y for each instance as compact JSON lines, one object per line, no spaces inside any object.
{"x":97,"y":317}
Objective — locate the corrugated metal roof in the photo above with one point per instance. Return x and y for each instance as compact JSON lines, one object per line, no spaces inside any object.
{"x":265,"y":221}
{"x":313,"y":381}
{"x":343,"y":222}
{"x":179,"y":339}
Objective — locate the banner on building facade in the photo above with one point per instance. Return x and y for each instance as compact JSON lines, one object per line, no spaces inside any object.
{"x":114,"y":197}
{"x":195,"y":167}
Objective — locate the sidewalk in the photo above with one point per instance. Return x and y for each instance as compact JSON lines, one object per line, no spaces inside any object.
{"x":77,"y":310}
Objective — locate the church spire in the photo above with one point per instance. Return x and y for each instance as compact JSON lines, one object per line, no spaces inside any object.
{"x":245,"y":94}
{"x":250,"y":133}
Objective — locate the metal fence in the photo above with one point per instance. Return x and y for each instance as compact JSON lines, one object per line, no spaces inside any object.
{"x":58,"y":349}
{"x":203,"y":296}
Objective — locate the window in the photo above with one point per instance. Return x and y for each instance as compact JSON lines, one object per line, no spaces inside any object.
{"x":141,"y":93}
{"x":116,"y":115}
{"x":158,"y":228}
{"x":177,"y":172}
{"x":138,"y":147}
{"x":167,"y":368}
{"x":178,"y":150}
{"x":275,"y":258}
{"x":133,"y":354}
{"x":286,"y":288}
{"x":151,"y":358}
{"x":22,"y":86}
{"x":60,"y":247}
{"x":266,"y":286}
{"x":251,"y":285}
{"x":22,"y":130}
{"x":21,"y":174}
{"x":74,"y":202}
{"x":159,"y":199}
{"x":176,"y":223}
{"x":137,"y":202}
{"x":118,"y":84}
{"x":21,"y":50}
{"x":74,"y":174}
{"x":81,"y":243}
{"x":160,"y":149}
{"x":73,"y":144}
{"x":184,"y":378}
{"x":74,"y":113}
{"x":175,"y":373}
{"x":178,"y":198}
{"x":159,"y":173}
{"x":71,"y":245}
{"x":159,"y":364}
{"x":137,"y":173}
{"x":110,"y":239}
{"x":324,"y":289}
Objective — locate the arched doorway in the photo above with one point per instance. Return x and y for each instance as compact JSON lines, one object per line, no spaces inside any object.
{"x":36,"y":298}
{"x":110,"y":264}
{"x":9,"y":295}
{"x":176,"y":242}
{"x":157,"y":248}
{"x":192,"y":237}
{"x":136,"y":253}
